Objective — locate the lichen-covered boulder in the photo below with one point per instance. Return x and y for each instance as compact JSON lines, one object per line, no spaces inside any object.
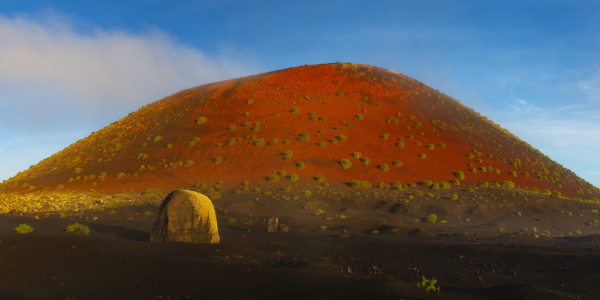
{"x":186,"y":216}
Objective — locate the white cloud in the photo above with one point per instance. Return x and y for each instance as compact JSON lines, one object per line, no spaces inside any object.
{"x":521,"y":105}
{"x":49,"y":69}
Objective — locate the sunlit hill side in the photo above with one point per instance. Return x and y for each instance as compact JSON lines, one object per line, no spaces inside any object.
{"x":330,"y":123}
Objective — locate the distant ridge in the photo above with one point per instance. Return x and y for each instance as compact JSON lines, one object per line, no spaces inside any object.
{"x":334,"y":123}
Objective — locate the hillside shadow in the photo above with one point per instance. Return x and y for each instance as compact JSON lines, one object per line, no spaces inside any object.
{"x":122,"y":232}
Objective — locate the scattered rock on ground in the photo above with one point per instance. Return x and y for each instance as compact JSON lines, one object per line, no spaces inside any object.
{"x":344,"y":234}
{"x":186,"y":216}
{"x":284,"y":228}
{"x":272,"y":224}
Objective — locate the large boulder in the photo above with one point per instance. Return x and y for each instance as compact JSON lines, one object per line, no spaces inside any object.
{"x":186,"y":216}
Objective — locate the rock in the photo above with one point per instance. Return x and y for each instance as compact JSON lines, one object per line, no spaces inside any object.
{"x":186,"y":216}
{"x":284,"y":228}
{"x":272,"y":224}
{"x":344,"y":234}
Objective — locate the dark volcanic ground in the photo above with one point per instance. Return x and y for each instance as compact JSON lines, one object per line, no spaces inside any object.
{"x":117,"y":261}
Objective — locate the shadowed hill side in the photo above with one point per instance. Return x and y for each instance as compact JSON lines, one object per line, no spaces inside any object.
{"x":333,"y":123}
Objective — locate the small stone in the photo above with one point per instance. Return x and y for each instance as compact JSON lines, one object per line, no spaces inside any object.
{"x":272,"y":224}
{"x":94,"y":218}
{"x":284,"y":228}
{"x":344,"y":234}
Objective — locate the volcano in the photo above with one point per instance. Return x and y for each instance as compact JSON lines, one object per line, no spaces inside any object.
{"x":327,"y":125}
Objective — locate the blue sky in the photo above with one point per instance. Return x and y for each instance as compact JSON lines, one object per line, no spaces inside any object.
{"x":68,"y":68}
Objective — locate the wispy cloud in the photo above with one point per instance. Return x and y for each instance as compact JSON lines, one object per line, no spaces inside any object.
{"x":521,"y":105}
{"x":52,"y":72}
{"x":591,"y":87}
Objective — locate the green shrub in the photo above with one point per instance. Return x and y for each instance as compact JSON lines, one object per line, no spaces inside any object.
{"x":359,"y":117}
{"x":189,"y":163}
{"x":397,"y":186}
{"x":232,"y":128}
{"x":150,"y":192}
{"x":384,"y":167}
{"x":358,"y":184}
{"x":385,"y":136}
{"x":422,"y":155}
{"x":258,"y":142}
{"x":78,"y":170}
{"x":246,"y":124}
{"x":294,"y":177}
{"x":194,"y":140}
{"x":295,"y":110}
{"x":508,"y":184}
{"x":340,"y":93}
{"x":460,"y":175}
{"x":444,"y":185}
{"x":432,"y":218}
{"x":24,"y":228}
{"x":341,"y":138}
{"x":78,"y":228}
{"x":320,"y":178}
{"x":157,"y":138}
{"x":303,"y":137}
{"x":287,"y":155}
{"x":430,"y":146}
{"x":397,"y":163}
{"x":366,"y":161}
{"x":356,"y":154}
{"x":345,"y":164}
{"x":274,"y":178}
{"x":231,"y":221}
{"x":201,"y":120}
{"x":429,"y":285}
{"x":273,"y":142}
{"x":443,"y":145}
{"x":426,"y":183}
{"x":217,"y":160}
{"x":300,"y":165}
{"x":321,"y":144}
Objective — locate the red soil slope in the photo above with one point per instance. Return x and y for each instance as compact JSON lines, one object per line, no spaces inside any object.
{"x":322,"y":114}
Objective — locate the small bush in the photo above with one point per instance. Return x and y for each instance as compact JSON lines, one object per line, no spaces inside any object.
{"x":460,"y":175}
{"x":231,"y":221}
{"x":287,"y":155}
{"x":385,"y":136}
{"x":201,"y":120}
{"x":157,"y":138}
{"x":294,"y":177}
{"x":78,"y":228}
{"x":320,"y":178}
{"x":24,"y":228}
{"x":295,"y":110}
{"x":345,"y":164}
{"x":356,"y":154}
{"x":274,"y":178}
{"x":303,"y":137}
{"x":232,"y":128}
{"x":429,"y":285}
{"x":430,"y":146}
{"x":341,"y":138}
{"x":384,"y":167}
{"x":359,"y":117}
{"x":300,"y":165}
{"x":422,"y":155}
{"x":217,"y":160}
{"x":194,"y":140}
{"x":189,"y":163}
{"x":321,"y":144}
{"x":150,"y":192}
{"x":358,"y":184}
{"x":432,"y":218}
{"x":366,"y":161}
